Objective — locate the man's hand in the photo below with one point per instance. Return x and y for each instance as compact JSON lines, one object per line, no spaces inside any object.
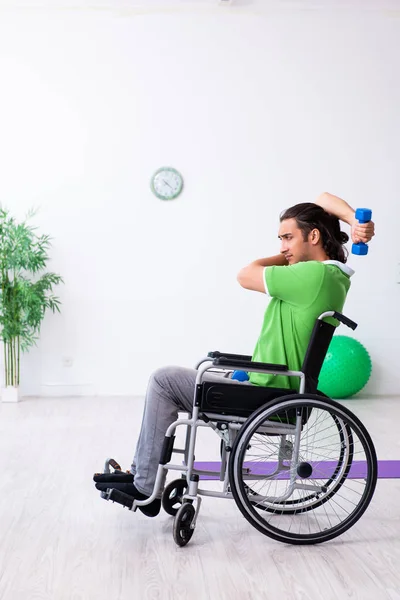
{"x":362,"y":232}
{"x":343,"y":211}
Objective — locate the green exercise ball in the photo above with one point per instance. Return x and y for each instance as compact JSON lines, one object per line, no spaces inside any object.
{"x":346,"y":368}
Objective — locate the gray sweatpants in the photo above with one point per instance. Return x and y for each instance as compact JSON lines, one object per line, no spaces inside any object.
{"x":170,"y":390}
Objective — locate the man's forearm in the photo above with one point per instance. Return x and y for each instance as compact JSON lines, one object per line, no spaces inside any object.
{"x":336,"y":206}
{"x":252,"y":276}
{"x":273,"y":261}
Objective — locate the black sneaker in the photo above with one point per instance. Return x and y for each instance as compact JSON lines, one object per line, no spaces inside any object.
{"x":150,"y":510}
{"x":115,"y":477}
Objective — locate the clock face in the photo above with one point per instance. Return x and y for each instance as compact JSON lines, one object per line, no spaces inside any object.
{"x":167,"y":183}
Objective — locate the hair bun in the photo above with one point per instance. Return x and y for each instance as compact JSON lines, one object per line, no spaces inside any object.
{"x":344,"y":238}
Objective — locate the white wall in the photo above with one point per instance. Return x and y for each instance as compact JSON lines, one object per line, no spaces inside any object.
{"x":258,"y":111}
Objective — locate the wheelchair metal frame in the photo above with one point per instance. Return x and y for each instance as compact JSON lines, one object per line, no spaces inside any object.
{"x":227,"y":432}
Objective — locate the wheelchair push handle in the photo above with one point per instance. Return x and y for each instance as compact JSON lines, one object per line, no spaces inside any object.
{"x":345,"y":320}
{"x":363,"y":215}
{"x":337,"y":315}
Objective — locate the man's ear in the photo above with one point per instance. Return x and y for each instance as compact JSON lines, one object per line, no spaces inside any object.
{"x":314,"y":237}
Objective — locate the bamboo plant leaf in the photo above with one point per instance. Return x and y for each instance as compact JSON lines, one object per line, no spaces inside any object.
{"x":26,"y":292}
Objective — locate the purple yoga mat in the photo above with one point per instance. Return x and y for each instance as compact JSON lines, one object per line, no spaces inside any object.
{"x":387,"y":469}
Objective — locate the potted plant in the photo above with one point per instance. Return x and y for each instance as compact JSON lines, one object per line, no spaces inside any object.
{"x":25,"y":295}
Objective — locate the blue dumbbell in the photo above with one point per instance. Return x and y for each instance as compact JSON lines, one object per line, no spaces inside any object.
{"x":240,"y":375}
{"x":363,"y":215}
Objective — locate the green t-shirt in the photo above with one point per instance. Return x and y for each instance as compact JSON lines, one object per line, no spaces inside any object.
{"x":300,"y":293}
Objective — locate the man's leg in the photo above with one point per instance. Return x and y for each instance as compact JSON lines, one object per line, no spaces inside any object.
{"x":170,"y":390}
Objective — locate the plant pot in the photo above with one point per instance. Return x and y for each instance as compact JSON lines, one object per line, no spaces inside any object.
{"x":10,"y":394}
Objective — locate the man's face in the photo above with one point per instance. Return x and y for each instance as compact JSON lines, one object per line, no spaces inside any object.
{"x":293,"y":246}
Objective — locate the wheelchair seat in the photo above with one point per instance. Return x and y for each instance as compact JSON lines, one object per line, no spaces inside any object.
{"x":237,"y":400}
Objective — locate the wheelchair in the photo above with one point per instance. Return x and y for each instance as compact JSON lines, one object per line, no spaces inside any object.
{"x":300,"y":466}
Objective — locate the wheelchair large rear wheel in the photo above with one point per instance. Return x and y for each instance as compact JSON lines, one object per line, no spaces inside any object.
{"x":331,"y":470}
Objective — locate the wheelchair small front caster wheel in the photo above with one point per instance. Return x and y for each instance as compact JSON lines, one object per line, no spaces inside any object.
{"x":182,"y":525}
{"x":172,"y":497}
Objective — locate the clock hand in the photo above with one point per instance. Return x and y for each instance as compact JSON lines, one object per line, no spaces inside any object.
{"x":166,"y":183}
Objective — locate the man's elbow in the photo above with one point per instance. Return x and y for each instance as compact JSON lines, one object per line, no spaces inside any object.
{"x":243,"y":279}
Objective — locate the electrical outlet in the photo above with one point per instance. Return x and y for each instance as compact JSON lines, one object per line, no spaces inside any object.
{"x":67,"y":361}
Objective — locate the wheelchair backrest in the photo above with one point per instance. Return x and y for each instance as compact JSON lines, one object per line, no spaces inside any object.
{"x":317,"y":348}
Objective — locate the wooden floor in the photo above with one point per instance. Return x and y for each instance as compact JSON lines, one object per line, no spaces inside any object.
{"x":60,"y":541}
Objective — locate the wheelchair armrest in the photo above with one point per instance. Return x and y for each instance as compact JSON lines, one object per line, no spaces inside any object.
{"x":217,"y":354}
{"x":246,"y":365}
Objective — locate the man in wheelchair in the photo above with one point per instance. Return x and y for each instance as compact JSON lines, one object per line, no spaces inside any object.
{"x":308,"y":276}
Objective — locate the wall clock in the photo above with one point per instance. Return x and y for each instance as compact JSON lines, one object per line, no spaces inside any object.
{"x":167,"y":183}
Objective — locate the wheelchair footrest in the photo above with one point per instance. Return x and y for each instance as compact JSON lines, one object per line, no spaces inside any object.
{"x":121,"y":498}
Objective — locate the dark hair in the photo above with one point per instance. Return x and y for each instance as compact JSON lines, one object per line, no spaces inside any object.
{"x":311,"y":216}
